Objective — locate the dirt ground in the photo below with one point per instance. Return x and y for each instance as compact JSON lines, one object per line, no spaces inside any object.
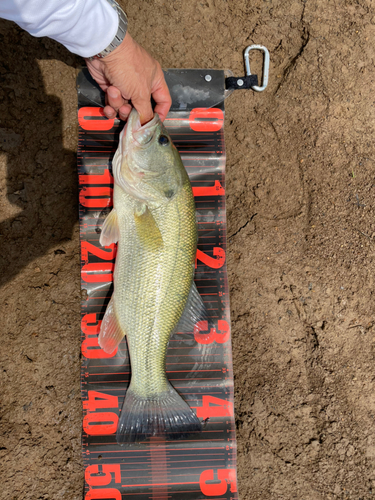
{"x":301,"y":236}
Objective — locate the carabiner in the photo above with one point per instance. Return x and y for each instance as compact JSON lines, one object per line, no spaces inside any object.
{"x":266,"y":65}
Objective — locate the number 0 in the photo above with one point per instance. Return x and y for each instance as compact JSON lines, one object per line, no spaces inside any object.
{"x":103,"y":494}
{"x":94,"y":119}
{"x":206,"y":119}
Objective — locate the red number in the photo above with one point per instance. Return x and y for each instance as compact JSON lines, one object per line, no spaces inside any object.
{"x":93,"y":480}
{"x":94,"y":119}
{"x":216,"y":190}
{"x":90,"y":348}
{"x":206,"y":119}
{"x":210,"y":261}
{"x":95,"y":424}
{"x":104,"y":178}
{"x":92,"y":197}
{"x":90,"y":325}
{"x":105,"y":494}
{"x":225,"y":476}
{"x":222,"y":408}
{"x":87,"y":247}
{"x":221,"y":336}
{"x":99,"y":400}
{"x":98,"y":272}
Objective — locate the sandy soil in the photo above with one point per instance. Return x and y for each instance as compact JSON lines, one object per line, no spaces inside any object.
{"x":301,"y":235}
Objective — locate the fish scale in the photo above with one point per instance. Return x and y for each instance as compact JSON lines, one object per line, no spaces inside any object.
{"x":141,"y":276}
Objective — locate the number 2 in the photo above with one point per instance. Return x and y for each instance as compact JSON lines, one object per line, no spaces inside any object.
{"x":211,"y":261}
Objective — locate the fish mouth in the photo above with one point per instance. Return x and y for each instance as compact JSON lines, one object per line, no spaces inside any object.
{"x":128,"y":168}
{"x":137,"y":135}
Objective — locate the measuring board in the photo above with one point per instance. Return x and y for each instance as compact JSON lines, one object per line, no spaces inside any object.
{"x":199,"y":364}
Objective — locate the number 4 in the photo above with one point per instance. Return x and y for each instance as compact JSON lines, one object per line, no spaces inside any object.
{"x":222,"y":408}
{"x":99,"y":400}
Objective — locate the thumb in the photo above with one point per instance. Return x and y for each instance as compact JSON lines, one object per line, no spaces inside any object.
{"x":143,"y":106}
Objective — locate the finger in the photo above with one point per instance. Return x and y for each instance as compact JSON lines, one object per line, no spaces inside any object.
{"x":95,"y":68}
{"x":143,"y":106}
{"x":115,"y":99}
{"x":104,"y":86}
{"x":124,"y":111}
{"x":109,"y":112}
{"x":163,"y":100}
{"x":145,"y":111}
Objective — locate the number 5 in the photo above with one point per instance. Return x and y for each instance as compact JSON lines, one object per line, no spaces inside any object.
{"x":224,"y":475}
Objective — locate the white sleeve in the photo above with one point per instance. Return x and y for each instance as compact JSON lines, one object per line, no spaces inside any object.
{"x":85,"y":27}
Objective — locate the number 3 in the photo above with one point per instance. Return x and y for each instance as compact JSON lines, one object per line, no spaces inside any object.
{"x":221,"y":336}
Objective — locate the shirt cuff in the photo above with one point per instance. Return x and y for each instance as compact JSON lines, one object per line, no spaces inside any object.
{"x":94,"y":30}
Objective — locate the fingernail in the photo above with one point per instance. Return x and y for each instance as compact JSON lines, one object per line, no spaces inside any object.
{"x":145,"y":120}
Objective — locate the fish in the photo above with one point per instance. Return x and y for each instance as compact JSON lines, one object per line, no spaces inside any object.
{"x":153,"y":222}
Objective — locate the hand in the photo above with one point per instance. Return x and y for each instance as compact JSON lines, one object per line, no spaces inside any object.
{"x":130,"y":73}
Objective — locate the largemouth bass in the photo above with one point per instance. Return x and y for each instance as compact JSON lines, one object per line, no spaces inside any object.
{"x":153,"y":221}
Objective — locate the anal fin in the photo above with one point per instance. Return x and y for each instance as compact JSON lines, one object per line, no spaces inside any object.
{"x":111,"y":332}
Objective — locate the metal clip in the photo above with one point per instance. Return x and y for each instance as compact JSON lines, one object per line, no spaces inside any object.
{"x":266,"y":65}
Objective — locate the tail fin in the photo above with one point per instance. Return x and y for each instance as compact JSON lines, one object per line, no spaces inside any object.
{"x":166,"y":415}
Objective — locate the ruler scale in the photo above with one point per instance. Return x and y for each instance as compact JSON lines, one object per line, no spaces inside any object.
{"x":199,"y":364}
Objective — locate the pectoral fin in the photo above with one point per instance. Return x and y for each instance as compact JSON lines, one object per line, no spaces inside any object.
{"x":147,"y":230}
{"x":111,"y":332}
{"x":110,"y":230}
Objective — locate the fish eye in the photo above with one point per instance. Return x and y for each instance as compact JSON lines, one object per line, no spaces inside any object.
{"x":163,"y":140}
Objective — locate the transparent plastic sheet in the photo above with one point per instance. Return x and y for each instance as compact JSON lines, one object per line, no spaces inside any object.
{"x":199,"y":365}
